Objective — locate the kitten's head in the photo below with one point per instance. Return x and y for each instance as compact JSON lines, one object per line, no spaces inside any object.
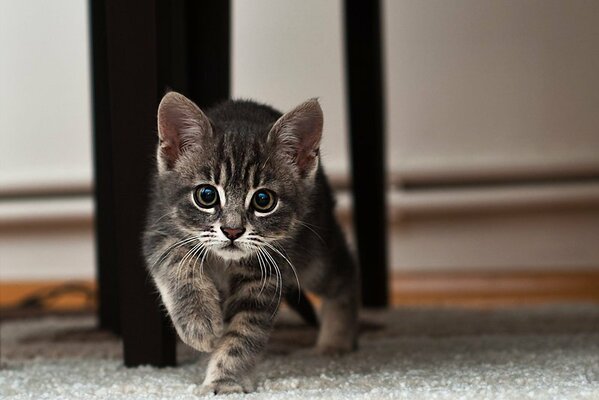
{"x":238,"y":179}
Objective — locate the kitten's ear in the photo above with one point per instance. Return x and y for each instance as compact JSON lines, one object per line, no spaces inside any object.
{"x":181,"y":124}
{"x":298,"y":133}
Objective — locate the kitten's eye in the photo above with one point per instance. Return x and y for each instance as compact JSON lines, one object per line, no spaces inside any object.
{"x":205,"y":196}
{"x":264,"y":200}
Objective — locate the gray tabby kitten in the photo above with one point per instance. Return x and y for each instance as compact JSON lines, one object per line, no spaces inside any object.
{"x":241,"y":214}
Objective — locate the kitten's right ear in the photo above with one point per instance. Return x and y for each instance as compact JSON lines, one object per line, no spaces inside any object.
{"x":181,"y":124}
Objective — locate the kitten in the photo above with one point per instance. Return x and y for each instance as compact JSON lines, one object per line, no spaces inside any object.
{"x":241,"y":214}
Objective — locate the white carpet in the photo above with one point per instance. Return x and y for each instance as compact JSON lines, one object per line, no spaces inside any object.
{"x":526,"y":353}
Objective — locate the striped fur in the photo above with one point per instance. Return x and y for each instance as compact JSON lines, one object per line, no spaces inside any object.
{"x":223,"y":295}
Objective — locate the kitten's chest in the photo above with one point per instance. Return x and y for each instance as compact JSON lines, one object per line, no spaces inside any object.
{"x":220,"y":274}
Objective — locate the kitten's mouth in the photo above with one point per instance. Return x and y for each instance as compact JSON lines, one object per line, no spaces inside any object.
{"x":231,"y":247}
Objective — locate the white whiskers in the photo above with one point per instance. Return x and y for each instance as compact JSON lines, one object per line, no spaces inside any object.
{"x":164,"y":254}
{"x":299,"y":288}
{"x":197,"y":252}
{"x":262,"y":250}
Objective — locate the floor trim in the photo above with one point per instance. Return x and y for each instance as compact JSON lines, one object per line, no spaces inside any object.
{"x":407,"y":288}
{"x":495,"y":288}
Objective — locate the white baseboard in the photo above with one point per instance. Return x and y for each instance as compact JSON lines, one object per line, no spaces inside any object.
{"x":550,"y":227}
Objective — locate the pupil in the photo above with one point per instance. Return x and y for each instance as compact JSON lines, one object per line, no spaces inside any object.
{"x":263,"y":199}
{"x":208,"y":195}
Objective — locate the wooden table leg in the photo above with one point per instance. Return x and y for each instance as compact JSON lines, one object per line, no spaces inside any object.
{"x":366,"y":116}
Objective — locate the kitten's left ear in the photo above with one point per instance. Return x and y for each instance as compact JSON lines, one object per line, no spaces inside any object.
{"x":298,"y":134}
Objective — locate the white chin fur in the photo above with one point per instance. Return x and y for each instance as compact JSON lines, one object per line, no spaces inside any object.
{"x":232,"y":255}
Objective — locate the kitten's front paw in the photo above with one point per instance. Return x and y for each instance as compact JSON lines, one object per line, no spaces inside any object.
{"x":225,"y":386}
{"x":201,"y":333}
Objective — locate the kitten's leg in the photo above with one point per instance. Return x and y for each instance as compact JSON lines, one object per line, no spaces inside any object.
{"x":340,"y":303}
{"x":192,"y":302}
{"x":251,"y":307}
{"x":338,"y":326}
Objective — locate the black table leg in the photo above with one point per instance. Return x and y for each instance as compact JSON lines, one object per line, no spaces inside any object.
{"x":363,"y":61}
{"x":141,"y":49}
{"x":132,"y":44}
{"x":208,"y":41}
{"x":107,"y":272}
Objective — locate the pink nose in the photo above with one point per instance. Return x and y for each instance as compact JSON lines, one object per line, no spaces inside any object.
{"x":232,"y":233}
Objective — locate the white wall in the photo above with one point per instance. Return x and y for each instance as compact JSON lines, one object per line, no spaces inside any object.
{"x":481,"y":89}
{"x":45,"y":124}
{"x":285,"y":52}
{"x":474,"y":88}
{"x":45,"y":136}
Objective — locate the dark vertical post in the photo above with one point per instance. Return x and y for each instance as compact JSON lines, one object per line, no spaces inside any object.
{"x":106,"y":265}
{"x":363,"y":61}
{"x":208,"y":41}
{"x":134,"y":94}
{"x":172,"y":46}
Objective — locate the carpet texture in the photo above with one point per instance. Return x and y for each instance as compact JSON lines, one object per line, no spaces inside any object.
{"x":549,"y":352}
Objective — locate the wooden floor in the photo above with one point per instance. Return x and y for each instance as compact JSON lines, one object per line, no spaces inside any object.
{"x":455,"y":288}
{"x":54,"y":295}
{"x":494,"y":288}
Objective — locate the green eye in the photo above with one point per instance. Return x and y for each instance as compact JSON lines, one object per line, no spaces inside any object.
{"x":205,"y":196}
{"x":264,"y":200}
